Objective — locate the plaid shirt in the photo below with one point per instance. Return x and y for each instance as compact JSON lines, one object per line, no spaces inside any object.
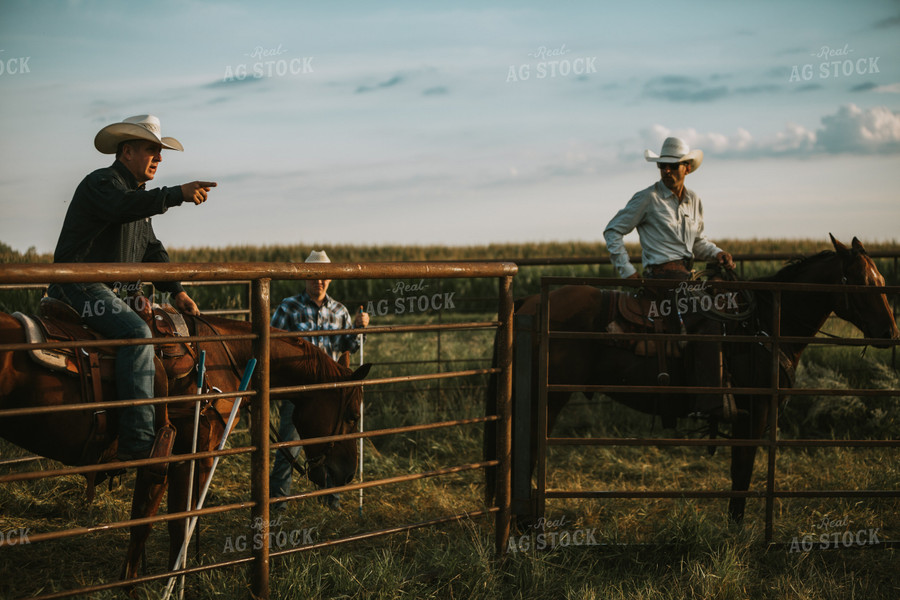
{"x":300,"y":313}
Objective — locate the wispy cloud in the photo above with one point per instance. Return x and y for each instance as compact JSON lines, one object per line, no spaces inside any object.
{"x":392,"y":82}
{"x":870,"y":86}
{"x":436,"y":91}
{"x":888,"y":23}
{"x":683,"y":89}
{"x":673,"y":88}
{"x":230,"y":82}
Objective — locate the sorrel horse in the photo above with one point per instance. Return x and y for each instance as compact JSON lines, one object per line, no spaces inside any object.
{"x":67,"y":436}
{"x":595,"y":362}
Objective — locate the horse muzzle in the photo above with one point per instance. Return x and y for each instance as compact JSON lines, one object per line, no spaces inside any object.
{"x":326,"y":476}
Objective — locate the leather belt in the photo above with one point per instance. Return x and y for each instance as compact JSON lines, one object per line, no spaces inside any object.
{"x":684,"y":265}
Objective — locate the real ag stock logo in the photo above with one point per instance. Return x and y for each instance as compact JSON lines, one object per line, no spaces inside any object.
{"x":15,"y":537}
{"x":411,"y":298}
{"x":832,"y":534}
{"x":268,"y":62}
{"x":550,"y":535}
{"x":551,"y":65}
{"x":841,"y":66}
{"x":277,"y":538}
{"x":13,"y":66}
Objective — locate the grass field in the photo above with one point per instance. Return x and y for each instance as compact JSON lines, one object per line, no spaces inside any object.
{"x":644,"y":549}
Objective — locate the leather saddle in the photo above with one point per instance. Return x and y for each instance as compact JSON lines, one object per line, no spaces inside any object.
{"x":639,"y":314}
{"x":57,"y":321}
{"x":95,"y":369}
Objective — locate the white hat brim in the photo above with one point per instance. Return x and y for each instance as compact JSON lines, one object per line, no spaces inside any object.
{"x":695,"y":157}
{"x":108,"y":139}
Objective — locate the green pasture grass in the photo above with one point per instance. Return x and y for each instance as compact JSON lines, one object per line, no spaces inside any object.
{"x":647,"y":549}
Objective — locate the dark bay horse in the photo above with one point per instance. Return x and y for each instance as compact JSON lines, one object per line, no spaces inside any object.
{"x":597,"y":362}
{"x":69,"y":436}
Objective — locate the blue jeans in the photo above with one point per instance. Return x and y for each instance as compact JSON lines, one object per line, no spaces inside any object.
{"x":106,"y":313}
{"x":280,"y":478}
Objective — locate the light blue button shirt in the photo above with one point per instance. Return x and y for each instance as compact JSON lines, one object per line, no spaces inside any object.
{"x":668,"y":229}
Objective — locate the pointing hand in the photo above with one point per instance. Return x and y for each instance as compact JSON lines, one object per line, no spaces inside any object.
{"x":196,"y":191}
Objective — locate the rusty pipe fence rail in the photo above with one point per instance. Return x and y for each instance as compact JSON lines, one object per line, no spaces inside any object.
{"x":770,"y":444}
{"x":261,"y":275}
{"x":601,"y":262}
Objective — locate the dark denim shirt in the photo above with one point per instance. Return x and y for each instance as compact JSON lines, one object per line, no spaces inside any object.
{"x":108,"y":221}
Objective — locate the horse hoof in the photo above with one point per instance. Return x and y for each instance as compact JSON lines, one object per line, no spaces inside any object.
{"x":332,"y":501}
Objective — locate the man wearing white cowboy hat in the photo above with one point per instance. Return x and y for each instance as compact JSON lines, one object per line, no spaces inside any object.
{"x":669,"y":220}
{"x":668,"y":217}
{"x":108,"y":221}
{"x":311,"y":310}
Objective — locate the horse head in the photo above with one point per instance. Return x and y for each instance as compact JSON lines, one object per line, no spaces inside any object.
{"x":328,"y":412}
{"x":871,"y":313}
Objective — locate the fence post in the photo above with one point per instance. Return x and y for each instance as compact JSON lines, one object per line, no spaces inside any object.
{"x":523,"y":409}
{"x":259,"y":438}
{"x":504,"y":414}
{"x":773,"y":415}
{"x":540,"y":500}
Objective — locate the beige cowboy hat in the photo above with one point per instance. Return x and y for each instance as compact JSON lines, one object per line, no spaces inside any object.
{"x":676,"y":150}
{"x":140,"y":127}
{"x":318,"y":256}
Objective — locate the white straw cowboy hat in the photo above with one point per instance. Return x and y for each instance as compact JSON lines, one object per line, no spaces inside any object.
{"x":675,"y":150}
{"x":140,"y":127}
{"x":318,"y":256}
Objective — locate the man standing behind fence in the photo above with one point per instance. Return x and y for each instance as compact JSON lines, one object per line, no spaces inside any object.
{"x":108,"y":221}
{"x":311,"y":310}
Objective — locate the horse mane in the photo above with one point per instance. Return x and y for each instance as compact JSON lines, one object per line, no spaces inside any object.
{"x":796,"y":265}
{"x":326,"y":368}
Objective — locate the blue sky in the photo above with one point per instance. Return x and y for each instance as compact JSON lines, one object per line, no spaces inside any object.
{"x":412,"y":122}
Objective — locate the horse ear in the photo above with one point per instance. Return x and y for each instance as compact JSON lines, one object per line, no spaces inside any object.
{"x":344,"y":360}
{"x":839,"y":247}
{"x":361,"y":373}
{"x":857,"y":245}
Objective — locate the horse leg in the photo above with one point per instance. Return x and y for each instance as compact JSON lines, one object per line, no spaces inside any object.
{"x":178,"y":493}
{"x":556,"y":401}
{"x":209,"y":433}
{"x":148,"y":493}
{"x":746,"y":426}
